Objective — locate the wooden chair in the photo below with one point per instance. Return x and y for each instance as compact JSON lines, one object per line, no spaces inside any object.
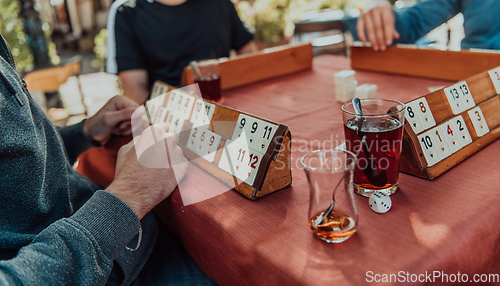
{"x":338,"y":41}
{"x":48,"y":80}
{"x":253,"y":67}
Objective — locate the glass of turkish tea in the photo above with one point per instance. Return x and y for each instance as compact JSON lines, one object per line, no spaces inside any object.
{"x":206,"y":73}
{"x":381,"y":126}
{"x":332,"y":212}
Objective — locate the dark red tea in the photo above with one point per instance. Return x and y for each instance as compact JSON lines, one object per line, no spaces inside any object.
{"x":210,"y":88}
{"x":383,"y":139}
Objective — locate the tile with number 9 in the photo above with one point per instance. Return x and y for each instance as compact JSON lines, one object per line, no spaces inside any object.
{"x":212,"y":142}
{"x":240,"y":126}
{"x":252,"y":131}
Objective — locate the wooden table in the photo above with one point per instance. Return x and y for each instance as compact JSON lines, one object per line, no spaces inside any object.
{"x":447,"y":225}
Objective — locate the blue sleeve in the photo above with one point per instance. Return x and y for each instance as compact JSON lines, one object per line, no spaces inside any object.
{"x":75,"y":141}
{"x":415,"y":22}
{"x":78,"y":250}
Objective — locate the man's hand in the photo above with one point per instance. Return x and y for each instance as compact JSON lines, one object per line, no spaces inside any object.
{"x":379,"y":23}
{"x":112,"y":119}
{"x":148,"y":170}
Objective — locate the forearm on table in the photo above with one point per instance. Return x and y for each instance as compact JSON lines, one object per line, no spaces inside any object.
{"x":248,"y":48}
{"x":135,"y":84}
{"x":78,"y":250}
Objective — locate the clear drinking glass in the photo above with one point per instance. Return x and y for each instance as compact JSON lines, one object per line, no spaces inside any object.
{"x":332,"y":212}
{"x":206,"y":73}
{"x":377,"y":167}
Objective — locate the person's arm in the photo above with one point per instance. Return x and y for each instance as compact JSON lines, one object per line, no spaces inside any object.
{"x":135,"y":84}
{"x":78,"y":250}
{"x":380,"y":25}
{"x":241,"y":37}
{"x":248,"y":48}
{"x":112,"y":119}
{"x":415,"y":22}
{"x":378,"y":22}
{"x":81,"y":249}
{"x":125,"y":54}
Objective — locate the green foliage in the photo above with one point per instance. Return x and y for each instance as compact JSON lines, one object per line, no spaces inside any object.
{"x":11,"y":28}
{"x":100,"y":50}
{"x":274,"y":19}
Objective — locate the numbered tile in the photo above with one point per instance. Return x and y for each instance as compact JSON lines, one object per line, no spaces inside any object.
{"x":150,"y":111}
{"x":161,"y":116}
{"x":478,"y":121}
{"x":179,"y":107}
{"x":193,"y":139}
{"x":252,"y":132}
{"x":163,"y":89}
{"x":171,"y":101}
{"x":459,"y":97}
{"x":232,"y":158}
{"x":450,"y":131}
{"x":426,"y":113}
{"x":464,"y":89}
{"x":421,"y":113}
{"x":454,"y":99}
{"x":212,"y":144}
{"x":412,"y":117}
{"x":203,"y":142}
{"x":240,"y":125}
{"x":265,"y":136}
{"x":495,"y":78}
{"x":225,"y":160}
{"x":175,"y":124}
{"x":156,"y":91}
{"x":443,"y":146}
{"x":429,"y":148}
{"x":240,"y":155}
{"x":251,"y":167}
{"x":187,"y":106}
{"x":197,"y":112}
{"x":208,"y":113}
{"x":463,"y":132}
{"x":179,"y":124}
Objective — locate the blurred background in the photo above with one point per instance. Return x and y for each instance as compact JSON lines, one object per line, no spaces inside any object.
{"x":49,"y":33}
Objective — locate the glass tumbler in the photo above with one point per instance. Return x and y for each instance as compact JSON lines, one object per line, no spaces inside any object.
{"x":377,"y":167}
{"x":206,"y":74}
{"x":332,"y":212}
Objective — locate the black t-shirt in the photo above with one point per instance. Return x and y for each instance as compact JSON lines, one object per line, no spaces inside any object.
{"x":163,"y":39}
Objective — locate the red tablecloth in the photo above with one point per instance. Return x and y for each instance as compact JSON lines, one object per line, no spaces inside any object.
{"x":448,"y":224}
